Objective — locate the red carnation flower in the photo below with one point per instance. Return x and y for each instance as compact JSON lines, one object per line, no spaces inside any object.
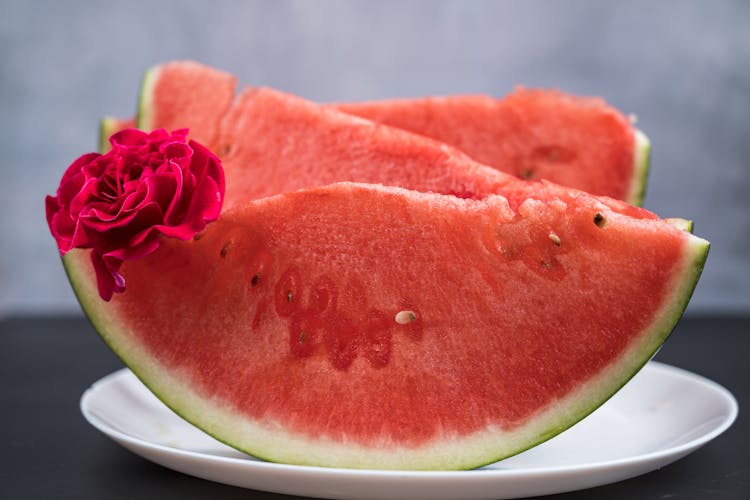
{"x":120,"y":203}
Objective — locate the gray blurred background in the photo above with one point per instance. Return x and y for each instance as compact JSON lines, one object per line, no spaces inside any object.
{"x":682,"y":66}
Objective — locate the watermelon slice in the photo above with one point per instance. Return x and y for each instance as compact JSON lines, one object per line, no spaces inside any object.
{"x":364,"y":326}
{"x":368,"y":326}
{"x":271,"y":142}
{"x":533,"y":134}
{"x":579,"y":142}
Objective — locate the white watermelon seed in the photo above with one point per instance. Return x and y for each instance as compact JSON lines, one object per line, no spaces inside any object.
{"x":405,"y":317}
{"x":554,"y":238}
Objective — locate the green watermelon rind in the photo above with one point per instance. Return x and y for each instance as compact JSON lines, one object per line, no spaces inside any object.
{"x":641,"y":167}
{"x":662,"y":325}
{"x":682,"y":224}
{"x":144,"y":114}
{"x":107,"y":126}
{"x":464,"y":453}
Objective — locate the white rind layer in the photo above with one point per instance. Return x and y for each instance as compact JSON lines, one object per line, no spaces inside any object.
{"x":269,"y":440}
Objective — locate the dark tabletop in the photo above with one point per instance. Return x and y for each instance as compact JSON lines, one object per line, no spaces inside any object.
{"x":49,"y":451}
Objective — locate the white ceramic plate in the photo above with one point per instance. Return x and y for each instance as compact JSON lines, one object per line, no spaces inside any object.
{"x":663,"y":414}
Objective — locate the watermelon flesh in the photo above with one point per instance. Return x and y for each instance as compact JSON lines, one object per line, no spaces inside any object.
{"x":271,"y":142}
{"x":364,"y":326}
{"x":360,"y":325}
{"x":182,"y":97}
{"x":579,"y":142}
{"x":532,"y":134}
{"x":190,"y":90}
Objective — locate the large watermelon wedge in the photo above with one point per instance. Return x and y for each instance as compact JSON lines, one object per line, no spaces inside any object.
{"x":534,"y":134}
{"x":579,"y":142}
{"x":363,"y":326}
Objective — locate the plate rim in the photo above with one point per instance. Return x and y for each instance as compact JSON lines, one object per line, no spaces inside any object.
{"x":255,"y":464}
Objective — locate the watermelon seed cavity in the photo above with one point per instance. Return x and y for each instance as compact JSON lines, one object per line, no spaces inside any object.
{"x":225,"y":249}
{"x":287,"y":289}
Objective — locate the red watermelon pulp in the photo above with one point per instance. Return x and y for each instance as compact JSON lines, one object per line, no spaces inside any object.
{"x":271,"y":142}
{"x":533,"y":134}
{"x":361,"y":326}
{"x":358,"y":325}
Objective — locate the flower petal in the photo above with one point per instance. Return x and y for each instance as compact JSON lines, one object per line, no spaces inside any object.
{"x":121,"y":203}
{"x":108,"y":278}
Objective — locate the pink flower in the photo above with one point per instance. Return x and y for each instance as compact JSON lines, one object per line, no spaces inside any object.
{"x":119,"y":204}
